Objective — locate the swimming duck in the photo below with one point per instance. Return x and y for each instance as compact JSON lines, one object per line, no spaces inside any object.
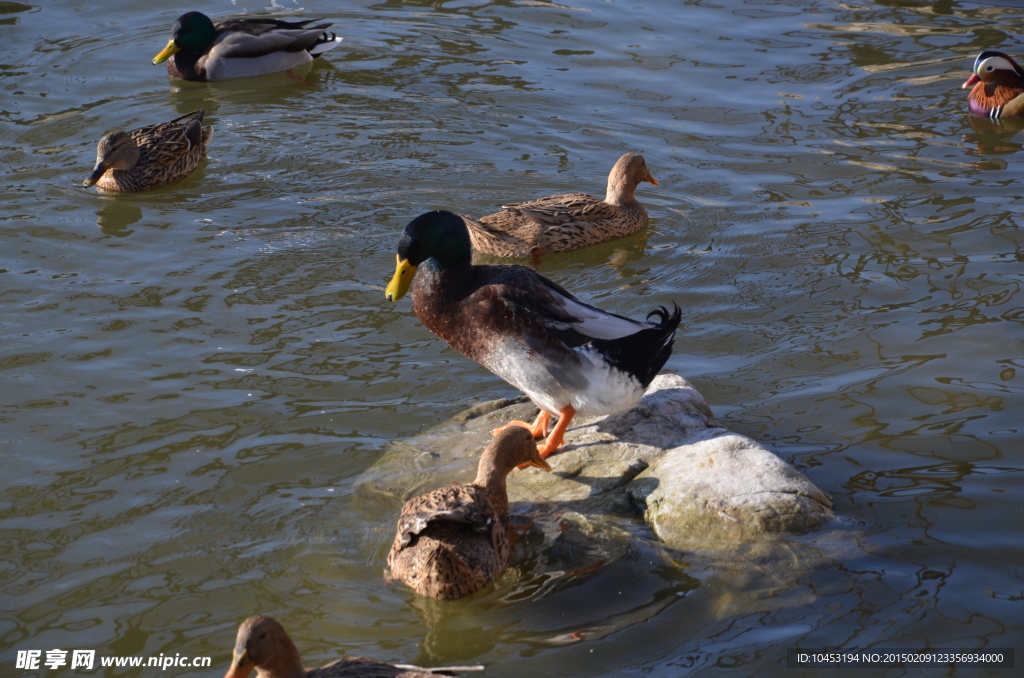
{"x":150,"y":156}
{"x":452,"y":541}
{"x":569,"y":221}
{"x":241,"y":48}
{"x":565,"y":354}
{"x":996,"y":85}
{"x":264,"y":645}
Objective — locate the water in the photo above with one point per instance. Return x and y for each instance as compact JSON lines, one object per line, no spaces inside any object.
{"x":195,"y":377}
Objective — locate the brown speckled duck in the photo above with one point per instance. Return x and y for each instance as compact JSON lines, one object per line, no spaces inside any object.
{"x":565,"y":354}
{"x":241,"y":48}
{"x":997,"y":87}
{"x":264,"y":645}
{"x":452,"y":541}
{"x":569,"y":221}
{"x":150,"y":156}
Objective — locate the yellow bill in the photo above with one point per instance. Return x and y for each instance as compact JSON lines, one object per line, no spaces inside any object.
{"x":538,"y":462}
{"x":400,"y":282}
{"x":167,"y":52}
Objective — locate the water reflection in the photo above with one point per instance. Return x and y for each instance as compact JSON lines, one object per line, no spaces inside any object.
{"x":993,"y":137}
{"x":114,"y":217}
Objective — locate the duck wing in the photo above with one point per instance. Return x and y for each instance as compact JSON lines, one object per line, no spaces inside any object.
{"x":563,"y":210}
{"x":251,"y":38}
{"x":534,"y":300}
{"x":456,"y":503}
{"x":548,"y":320}
{"x":505,"y":234}
{"x":165,"y":142}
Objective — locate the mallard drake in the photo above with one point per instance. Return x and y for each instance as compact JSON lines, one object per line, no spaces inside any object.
{"x":452,"y":541}
{"x":996,"y":85}
{"x":150,"y":156}
{"x":264,"y":645}
{"x":569,"y":221}
{"x":565,"y":354}
{"x":241,"y":48}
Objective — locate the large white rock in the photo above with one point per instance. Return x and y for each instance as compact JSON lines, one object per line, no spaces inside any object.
{"x":697,"y":484}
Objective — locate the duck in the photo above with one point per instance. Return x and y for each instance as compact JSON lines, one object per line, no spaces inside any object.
{"x":996,"y":85}
{"x":264,"y":645}
{"x":568,"y":356}
{"x":150,"y":156}
{"x":568,"y":221}
{"x":452,"y":541}
{"x":241,"y":48}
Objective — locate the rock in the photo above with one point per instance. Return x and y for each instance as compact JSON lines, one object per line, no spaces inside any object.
{"x":698,"y":485}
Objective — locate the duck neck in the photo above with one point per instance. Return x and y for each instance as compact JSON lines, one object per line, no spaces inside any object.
{"x":620,"y":190}
{"x":493,"y":479}
{"x":284,"y":662}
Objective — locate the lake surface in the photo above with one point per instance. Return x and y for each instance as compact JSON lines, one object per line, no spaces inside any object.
{"x":195,"y":378}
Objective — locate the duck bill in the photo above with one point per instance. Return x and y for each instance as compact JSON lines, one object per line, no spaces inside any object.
{"x":241,"y":665}
{"x":167,"y":53}
{"x":971,"y":81}
{"x":96,"y":175}
{"x":650,"y":179}
{"x":400,"y":282}
{"x":538,"y":462}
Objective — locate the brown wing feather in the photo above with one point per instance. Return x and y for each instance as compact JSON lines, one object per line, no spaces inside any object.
{"x":166,"y":143}
{"x":167,"y":152}
{"x":449,"y":542}
{"x":458,"y":503}
{"x":555,"y":223}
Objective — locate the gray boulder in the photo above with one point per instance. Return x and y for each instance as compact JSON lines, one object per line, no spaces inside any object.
{"x":699,"y":486}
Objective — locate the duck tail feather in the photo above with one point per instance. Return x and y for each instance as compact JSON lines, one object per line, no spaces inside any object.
{"x":325,"y":42}
{"x":644,"y":354}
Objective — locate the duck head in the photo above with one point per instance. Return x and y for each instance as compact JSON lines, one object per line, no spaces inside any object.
{"x":264,"y":645}
{"x":989,"y":65}
{"x":626,"y":175}
{"x":116,"y":150}
{"x":193,"y":32}
{"x":440,"y":238}
{"x":511,"y":447}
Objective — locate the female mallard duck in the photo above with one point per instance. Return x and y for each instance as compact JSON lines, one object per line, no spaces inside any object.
{"x":452,"y":541}
{"x":264,"y":645}
{"x":996,"y":85}
{"x":569,"y":221}
{"x":150,"y":156}
{"x":565,"y":354}
{"x":241,"y":48}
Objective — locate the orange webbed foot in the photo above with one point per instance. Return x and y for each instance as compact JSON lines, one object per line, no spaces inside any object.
{"x":557,"y":436}
{"x":538,"y":428}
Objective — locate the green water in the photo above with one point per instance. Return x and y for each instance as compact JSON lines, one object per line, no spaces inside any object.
{"x":194,"y":378}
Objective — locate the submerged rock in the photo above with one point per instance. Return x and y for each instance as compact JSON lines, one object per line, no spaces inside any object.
{"x":697,"y":484}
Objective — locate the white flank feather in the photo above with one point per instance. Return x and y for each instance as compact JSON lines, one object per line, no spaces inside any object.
{"x":593,"y":387}
{"x":227,"y":69}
